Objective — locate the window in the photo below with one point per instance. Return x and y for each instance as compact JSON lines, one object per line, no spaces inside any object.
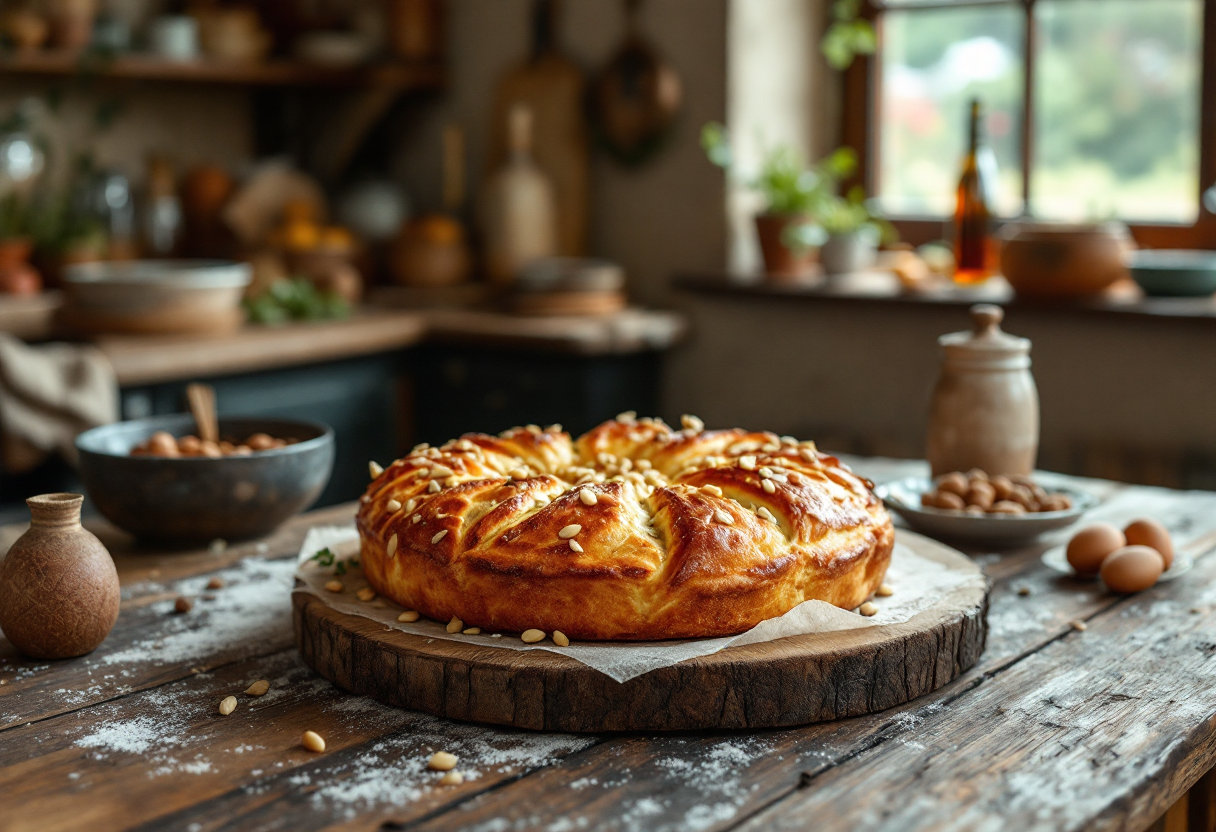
{"x":1095,"y":109}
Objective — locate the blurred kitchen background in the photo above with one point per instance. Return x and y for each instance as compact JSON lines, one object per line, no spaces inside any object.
{"x":414,"y":218}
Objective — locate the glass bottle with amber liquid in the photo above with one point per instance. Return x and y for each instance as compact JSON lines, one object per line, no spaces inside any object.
{"x":975,"y":251}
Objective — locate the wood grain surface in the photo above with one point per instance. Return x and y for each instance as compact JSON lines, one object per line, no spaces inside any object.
{"x":790,"y":681}
{"x":1053,"y":727}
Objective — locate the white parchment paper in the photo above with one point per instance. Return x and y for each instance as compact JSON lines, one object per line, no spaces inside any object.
{"x":919,"y":583}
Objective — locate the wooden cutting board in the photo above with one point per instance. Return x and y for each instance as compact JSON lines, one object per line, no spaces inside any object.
{"x":791,"y":681}
{"x":552,"y":86}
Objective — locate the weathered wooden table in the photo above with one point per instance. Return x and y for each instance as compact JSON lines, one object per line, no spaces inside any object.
{"x":1055,"y":728}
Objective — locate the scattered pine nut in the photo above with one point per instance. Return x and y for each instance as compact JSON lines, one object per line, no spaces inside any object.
{"x":452,"y":778}
{"x":867,"y":609}
{"x":885,"y":591}
{"x":471,"y":631}
{"x":692,"y":423}
{"x":407,"y":617}
{"x":769,"y":486}
{"x":440,"y":472}
{"x":1079,"y":625}
{"x":570,"y":531}
{"x":216,"y":583}
{"x":417,"y":518}
{"x":335,"y":586}
{"x":183,"y":604}
{"x":455,"y":625}
{"x":375,"y":469}
{"x":439,"y":535}
{"x":768,"y":515}
{"x":559,"y":638}
{"x":366,"y":594}
{"x":532,"y":636}
{"x":391,"y":549}
{"x":258,"y":688}
{"x":588,"y":497}
{"x":441,"y":761}
{"x":723,"y":517}
{"x":227,"y":705}
{"x":747,"y":463}
{"x":575,"y":546}
{"x":393,"y":506}
{"x":433,"y":487}
{"x":312,"y":741}
{"x":712,"y":489}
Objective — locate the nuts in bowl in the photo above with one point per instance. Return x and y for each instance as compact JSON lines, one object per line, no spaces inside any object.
{"x":977,"y":493}
{"x":163,"y":443}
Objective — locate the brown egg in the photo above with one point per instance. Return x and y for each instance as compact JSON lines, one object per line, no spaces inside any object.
{"x":1150,"y":533}
{"x":1132,"y":568}
{"x":1090,"y":546}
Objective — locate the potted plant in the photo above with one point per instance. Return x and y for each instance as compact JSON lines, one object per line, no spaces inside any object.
{"x":792,"y":192}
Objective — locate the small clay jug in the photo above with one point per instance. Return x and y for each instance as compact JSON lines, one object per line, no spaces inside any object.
{"x":985,"y":411}
{"x":58,"y":586}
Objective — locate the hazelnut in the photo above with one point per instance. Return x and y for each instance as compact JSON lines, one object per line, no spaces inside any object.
{"x":953,"y":483}
{"x":981,"y":494}
{"x":1003,"y":486}
{"x":1007,"y":507}
{"x":943,"y":500}
{"x":976,"y":474}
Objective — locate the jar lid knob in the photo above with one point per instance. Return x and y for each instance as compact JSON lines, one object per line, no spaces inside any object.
{"x":986,"y":318}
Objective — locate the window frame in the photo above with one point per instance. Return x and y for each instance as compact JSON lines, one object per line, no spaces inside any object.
{"x":860,"y":128}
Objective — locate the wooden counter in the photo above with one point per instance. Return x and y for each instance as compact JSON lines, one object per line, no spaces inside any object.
{"x":1087,"y":710}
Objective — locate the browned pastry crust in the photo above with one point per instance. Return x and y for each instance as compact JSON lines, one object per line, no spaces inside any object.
{"x":682,"y":540}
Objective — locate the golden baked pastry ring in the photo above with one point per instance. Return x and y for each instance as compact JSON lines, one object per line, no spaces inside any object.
{"x":791,"y":681}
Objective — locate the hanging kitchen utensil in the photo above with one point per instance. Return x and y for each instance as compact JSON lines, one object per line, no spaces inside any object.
{"x":635,"y":99}
{"x":552,"y":87}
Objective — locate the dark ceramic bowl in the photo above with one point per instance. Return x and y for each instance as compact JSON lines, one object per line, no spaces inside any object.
{"x":198,"y":499}
{"x":1174,"y":273}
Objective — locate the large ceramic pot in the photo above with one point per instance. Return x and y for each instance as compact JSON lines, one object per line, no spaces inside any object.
{"x":17,"y":276}
{"x":1064,"y":261}
{"x":781,"y":261}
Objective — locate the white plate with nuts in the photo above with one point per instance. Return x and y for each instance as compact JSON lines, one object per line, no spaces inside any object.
{"x":1003,"y":512}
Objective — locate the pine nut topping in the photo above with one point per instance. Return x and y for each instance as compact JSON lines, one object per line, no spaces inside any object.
{"x":441,"y":471}
{"x":433,"y":487}
{"x":570,"y":531}
{"x":227,"y":705}
{"x":532,"y":636}
{"x":417,"y":518}
{"x":769,"y":486}
{"x":588,"y":497}
{"x":692,"y":423}
{"x":411,"y":505}
{"x":575,"y":546}
{"x":393,"y":506}
{"x":559,"y":638}
{"x":471,"y":631}
{"x":808,"y":454}
{"x":408,"y":617}
{"x":1079,"y":625}
{"x":747,"y":463}
{"x":712,"y":489}
{"x":312,"y":741}
{"x":535,"y":429}
{"x":765,"y":513}
{"x":723,"y":517}
{"x":766,"y":472}
{"x":629,"y":416}
{"x":441,"y":761}
{"x":455,"y":625}
{"x":375,"y":469}
{"x":335,"y":586}
{"x":519,"y":473}
{"x":391,"y":549}
{"x":867,"y":609}
{"x":885,"y":591}
{"x":451,"y":778}
{"x":258,"y":688}
{"x":366,"y":594}
{"x":439,"y":535}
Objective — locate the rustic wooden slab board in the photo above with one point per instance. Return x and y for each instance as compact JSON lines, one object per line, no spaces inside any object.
{"x":791,"y":681}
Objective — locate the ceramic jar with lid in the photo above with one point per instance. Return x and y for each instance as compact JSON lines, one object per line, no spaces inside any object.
{"x":985,"y":410}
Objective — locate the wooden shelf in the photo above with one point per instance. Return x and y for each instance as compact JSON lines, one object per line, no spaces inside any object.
{"x":272,"y":73}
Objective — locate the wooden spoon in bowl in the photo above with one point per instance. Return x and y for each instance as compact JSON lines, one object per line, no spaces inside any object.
{"x":202,"y":406}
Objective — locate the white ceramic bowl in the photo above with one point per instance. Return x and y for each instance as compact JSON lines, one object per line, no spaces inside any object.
{"x":903,"y":497}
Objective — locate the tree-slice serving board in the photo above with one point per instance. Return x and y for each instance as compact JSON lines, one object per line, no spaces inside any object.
{"x":790,"y":681}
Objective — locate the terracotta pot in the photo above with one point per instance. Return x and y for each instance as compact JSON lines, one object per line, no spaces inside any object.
{"x":779,"y":260}
{"x":1064,"y":261}
{"x":17,"y":276}
{"x":58,"y":587}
